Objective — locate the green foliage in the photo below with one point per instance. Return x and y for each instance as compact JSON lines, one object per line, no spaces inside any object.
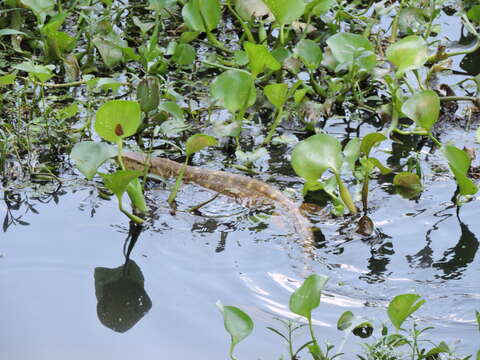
{"x":277,"y":94}
{"x":352,"y":50}
{"x":148,"y":93}
{"x":41,"y":8}
{"x":202,"y":15}
{"x":89,"y":155}
{"x":198,"y":142}
{"x":408,"y":184}
{"x":459,"y":163}
{"x":237,"y":323}
{"x":260,"y":58}
{"x":402,"y":306}
{"x":309,"y":52}
{"x":184,"y":54}
{"x":423,"y":108}
{"x":117,"y":119}
{"x":410,"y":53}
{"x":234,"y":89}
{"x":474,"y":14}
{"x":40,"y":72}
{"x":286,"y":12}
{"x":307,"y":297}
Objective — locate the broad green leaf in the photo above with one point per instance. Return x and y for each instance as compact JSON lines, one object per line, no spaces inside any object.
{"x":423,"y":108}
{"x":286,"y":11}
{"x":117,"y":119}
{"x":402,"y":306}
{"x":237,"y":323}
{"x":260,"y":58}
{"x":158,"y":5}
{"x":376,"y":163}
{"x":119,"y":180}
{"x":277,"y":94}
{"x":67,"y":111}
{"x":371,"y":140}
{"x":173,"y":109}
{"x":352,"y":49}
{"x":143,"y":26}
{"x":408,"y":184}
{"x":474,"y":14}
{"x":41,"y":8}
{"x":409,"y":53}
{"x":8,"y":79}
{"x":459,"y":163}
{"x":184,"y":54}
{"x":234,"y":89}
{"x":441,"y":348}
{"x":111,"y":53}
{"x":319,"y":7}
{"x":42,"y":73}
{"x":89,"y":155}
{"x":197,"y":142}
{"x":312,"y":156}
{"x":248,"y":8}
{"x":309,"y":52}
{"x":202,"y":15}
{"x":345,"y":320}
{"x":307,"y":297}
{"x":411,"y":20}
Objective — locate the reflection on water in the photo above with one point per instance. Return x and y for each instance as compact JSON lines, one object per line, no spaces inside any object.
{"x":121,"y":297}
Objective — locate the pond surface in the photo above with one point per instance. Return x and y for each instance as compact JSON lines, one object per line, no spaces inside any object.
{"x":64,"y":296}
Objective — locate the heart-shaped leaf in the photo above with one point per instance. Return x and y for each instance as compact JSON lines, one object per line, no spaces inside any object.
{"x":309,"y":52}
{"x":459,"y":163}
{"x":234,"y":89}
{"x":197,"y":142}
{"x":409,"y":53}
{"x":423,"y":108}
{"x":353,"y":49}
{"x":277,"y":94}
{"x":89,"y":155}
{"x":402,"y":306}
{"x":371,"y":140}
{"x":260,"y":58}
{"x":117,"y":119}
{"x":408,"y":184}
{"x":307,"y":297}
{"x":286,"y":11}
{"x":202,"y":15}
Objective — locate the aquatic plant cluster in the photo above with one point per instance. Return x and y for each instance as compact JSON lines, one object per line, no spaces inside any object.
{"x":176,"y":77}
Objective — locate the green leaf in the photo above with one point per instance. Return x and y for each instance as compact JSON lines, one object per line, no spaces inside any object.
{"x":409,"y":53}
{"x":9,"y":79}
{"x":286,"y":11}
{"x":345,"y":320}
{"x":41,"y":8}
{"x":111,"y":52}
{"x":260,"y":58}
{"x":423,"y":108}
{"x":117,"y":119}
{"x":173,"y":109}
{"x":119,"y":180}
{"x":312,"y":156}
{"x":197,"y":142}
{"x":307,"y":297}
{"x":309,"y":52}
{"x":135,"y":193}
{"x":459,"y":163}
{"x":148,"y":93}
{"x":408,"y":184}
{"x":402,"y":306}
{"x":158,"y":5}
{"x":89,"y":155}
{"x":353,"y":50}
{"x":202,"y":15}
{"x":277,"y":94}
{"x":234,"y":89}
{"x":184,"y":54}
{"x":474,"y":14}
{"x":383,"y":169}
{"x":248,"y":8}
{"x":237,"y":323}
{"x":371,"y":140}
{"x":319,"y":7}
{"x":42,"y":73}
{"x":67,"y":111}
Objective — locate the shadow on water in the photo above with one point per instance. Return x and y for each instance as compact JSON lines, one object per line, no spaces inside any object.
{"x":455,"y":259}
{"x":121,"y":297}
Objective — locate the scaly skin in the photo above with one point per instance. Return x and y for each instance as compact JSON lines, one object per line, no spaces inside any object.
{"x":234,"y":185}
